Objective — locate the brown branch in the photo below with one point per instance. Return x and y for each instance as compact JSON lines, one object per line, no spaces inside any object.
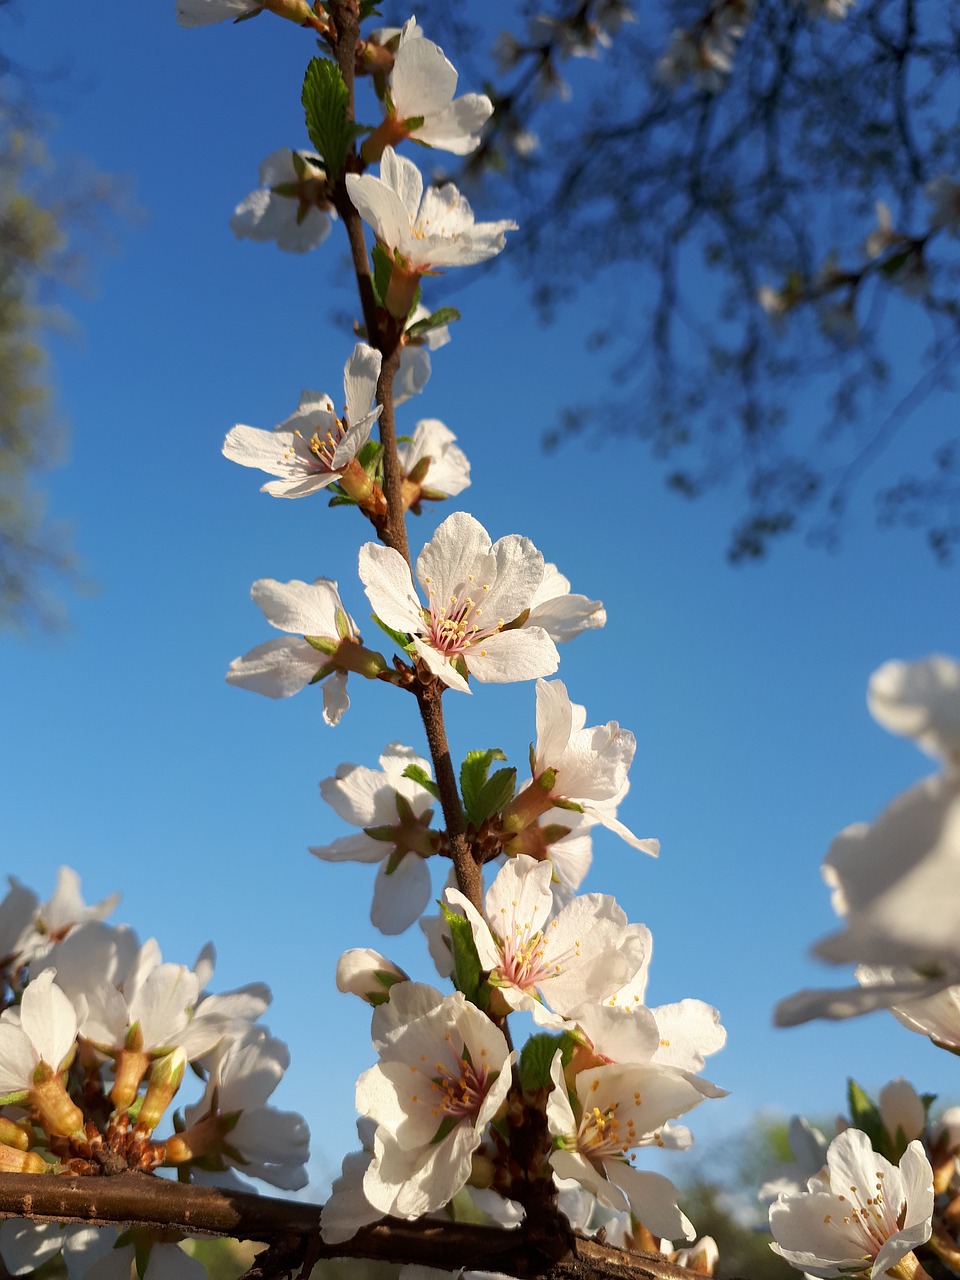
{"x":155,"y":1202}
{"x":469,"y":875}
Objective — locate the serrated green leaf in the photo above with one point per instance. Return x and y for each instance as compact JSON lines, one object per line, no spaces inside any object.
{"x":496,"y":792}
{"x":444,"y":315}
{"x":535,"y":1061}
{"x":326,"y":107}
{"x":398,"y":637}
{"x":382,"y":271}
{"x":370,"y":458}
{"x":368,"y":9}
{"x":466,"y":961}
{"x":417,"y":773}
{"x":473,"y":776}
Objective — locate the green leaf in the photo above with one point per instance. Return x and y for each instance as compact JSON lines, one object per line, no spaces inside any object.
{"x":12,"y":1099}
{"x":368,"y":9}
{"x":444,"y":315}
{"x":466,"y":961}
{"x":370,"y":458}
{"x":538,"y":1053}
{"x":398,"y":637}
{"x":416,"y":773}
{"x":382,"y":271}
{"x":473,"y":777}
{"x":341,"y":500}
{"x":496,"y":792}
{"x":865,"y":1115}
{"x":326,"y":106}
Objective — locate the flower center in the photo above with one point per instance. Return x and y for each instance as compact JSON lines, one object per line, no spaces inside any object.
{"x":528,"y":959}
{"x":459,"y":1089}
{"x":457,"y":626}
{"x":867,"y":1219}
{"x":601,"y":1133}
{"x":323,"y":447}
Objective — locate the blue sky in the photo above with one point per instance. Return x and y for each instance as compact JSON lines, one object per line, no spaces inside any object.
{"x":128,"y":757}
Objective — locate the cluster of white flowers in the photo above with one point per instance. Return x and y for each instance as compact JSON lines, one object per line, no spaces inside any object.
{"x":96,"y":1036}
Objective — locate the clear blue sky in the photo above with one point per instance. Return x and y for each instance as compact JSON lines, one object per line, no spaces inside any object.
{"x":127,"y":756}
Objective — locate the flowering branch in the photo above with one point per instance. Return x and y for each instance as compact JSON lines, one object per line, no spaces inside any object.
{"x":206,"y":1211}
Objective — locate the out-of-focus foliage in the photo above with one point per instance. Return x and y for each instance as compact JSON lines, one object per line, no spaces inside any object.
{"x":31,"y":435}
{"x":709,"y":196}
{"x":50,"y":214}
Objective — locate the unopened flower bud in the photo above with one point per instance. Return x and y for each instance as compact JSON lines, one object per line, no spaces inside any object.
{"x":131,"y":1067}
{"x":13,"y":1134}
{"x":14,"y":1161}
{"x":57,"y":1113}
{"x":366,"y":973}
{"x":166,"y":1075}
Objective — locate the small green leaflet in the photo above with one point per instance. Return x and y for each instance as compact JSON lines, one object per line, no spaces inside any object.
{"x":466,"y":962}
{"x":382,"y":271}
{"x":444,"y":315}
{"x":535,"y":1060}
{"x":477,"y":790}
{"x":325,"y":104}
{"x":416,"y":773}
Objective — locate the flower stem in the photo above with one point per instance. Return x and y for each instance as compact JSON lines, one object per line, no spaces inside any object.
{"x":469,"y":877}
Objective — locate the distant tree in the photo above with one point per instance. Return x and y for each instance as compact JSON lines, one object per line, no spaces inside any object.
{"x":45,"y":212}
{"x":725,"y":159}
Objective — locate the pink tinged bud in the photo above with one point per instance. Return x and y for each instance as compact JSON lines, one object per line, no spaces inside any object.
{"x":13,"y":1160}
{"x":166,"y":1075}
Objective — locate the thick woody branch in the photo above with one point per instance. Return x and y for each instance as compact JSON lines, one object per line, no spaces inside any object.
{"x":150,"y":1201}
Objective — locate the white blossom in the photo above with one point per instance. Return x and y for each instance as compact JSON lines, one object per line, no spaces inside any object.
{"x":475,"y":590}
{"x":257,"y":1139}
{"x":561,"y":614}
{"x":862,"y":1218}
{"x":613,"y":1109}
{"x":282,"y":667}
{"x":41,"y":1032}
{"x":432,"y":451}
{"x":393,"y":814}
{"x":578,"y":767}
{"x":443,"y":1074}
{"x":423,"y":230}
{"x":920,"y":700}
{"x":313,"y":448}
{"x":422,"y":85}
{"x":577,"y":955}
{"x":289,"y":206}
{"x":200,"y":13}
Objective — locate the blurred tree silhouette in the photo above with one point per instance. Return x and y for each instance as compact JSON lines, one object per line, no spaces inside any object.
{"x":724,"y":158}
{"x":45,"y":212}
